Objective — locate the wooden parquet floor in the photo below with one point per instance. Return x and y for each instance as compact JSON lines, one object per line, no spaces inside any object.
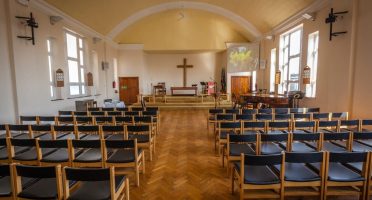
{"x":185,"y":165}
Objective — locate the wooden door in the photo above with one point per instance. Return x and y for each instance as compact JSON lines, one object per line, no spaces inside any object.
{"x":240,"y":85}
{"x":129,"y":89}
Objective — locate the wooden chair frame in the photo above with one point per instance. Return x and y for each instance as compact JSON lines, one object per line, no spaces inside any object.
{"x":84,"y":164}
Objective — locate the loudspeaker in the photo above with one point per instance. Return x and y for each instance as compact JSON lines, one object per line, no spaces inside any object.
{"x":105,"y":65}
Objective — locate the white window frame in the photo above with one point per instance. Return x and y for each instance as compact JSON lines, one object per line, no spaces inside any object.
{"x":50,"y":67}
{"x":312,"y":62}
{"x":272,"y":69}
{"x":285,"y":82}
{"x":81,"y":66}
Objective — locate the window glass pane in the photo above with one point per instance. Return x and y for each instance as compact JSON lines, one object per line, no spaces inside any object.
{"x":254,"y":80}
{"x":73,"y":71}
{"x":295,"y":43}
{"x":80,"y":43}
{"x":48,"y":46}
{"x":294,"y":69}
{"x":71,"y":46}
{"x":50,"y":69}
{"x":272,"y":70}
{"x":286,"y":55}
{"x":74,"y":90}
{"x":293,"y":87}
{"x":82,"y":89}
{"x":82,"y":75}
{"x":81,"y":57}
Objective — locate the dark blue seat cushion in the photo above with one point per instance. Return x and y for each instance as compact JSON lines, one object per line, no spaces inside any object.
{"x":270,"y":148}
{"x":358,"y":147}
{"x":45,"y":188}
{"x":340,"y":173}
{"x":302,"y":147}
{"x":328,"y":146}
{"x":115,"y":137}
{"x":3,"y":153}
{"x":90,"y":137}
{"x":366,"y":142}
{"x":258,"y":175}
{"x":89,"y":156}
{"x":60,"y":155}
{"x":31,"y":154}
{"x":5,"y":187}
{"x":248,"y":132}
{"x":237,"y":149}
{"x":123,"y":156}
{"x":299,"y":172}
{"x":141,"y":138}
{"x":95,"y":190}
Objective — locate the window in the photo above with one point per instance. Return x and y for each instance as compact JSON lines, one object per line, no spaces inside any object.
{"x":272,"y":69}
{"x":254,"y":80}
{"x":76,"y":64}
{"x":50,"y":67}
{"x":289,"y":60}
{"x":312,"y":62}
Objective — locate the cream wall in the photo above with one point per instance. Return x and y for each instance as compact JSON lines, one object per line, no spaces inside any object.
{"x":30,"y":65}
{"x":152,"y":68}
{"x":333,"y":62}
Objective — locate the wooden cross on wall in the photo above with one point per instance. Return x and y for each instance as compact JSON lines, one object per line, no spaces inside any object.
{"x":184,"y":66}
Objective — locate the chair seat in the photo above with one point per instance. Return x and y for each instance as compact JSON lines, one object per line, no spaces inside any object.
{"x":366,"y":142}
{"x":31,"y":155}
{"x":66,"y":136}
{"x":358,"y":147}
{"x":141,"y":138}
{"x":329,"y":146}
{"x":248,"y":132}
{"x":97,"y":190}
{"x":275,"y":132}
{"x":300,"y":131}
{"x":237,"y":149}
{"x":299,"y":172}
{"x":60,"y":155}
{"x":302,"y":147}
{"x":340,"y":173}
{"x":5,"y":187}
{"x":356,"y":166}
{"x":270,"y":148}
{"x":90,"y":137}
{"x":223,"y":134}
{"x":258,"y":175}
{"x":20,"y":135}
{"x":115,"y":137}
{"x":89,"y":156}
{"x":3,"y":153}
{"x":327,"y":130}
{"x":123,"y":156}
{"x":44,"y":136}
{"x":45,"y":188}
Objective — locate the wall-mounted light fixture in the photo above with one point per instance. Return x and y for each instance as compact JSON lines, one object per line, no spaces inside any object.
{"x":54,"y":19}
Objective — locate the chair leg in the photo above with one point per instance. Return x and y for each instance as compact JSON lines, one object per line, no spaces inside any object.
{"x":232,"y":182}
{"x":137,"y":176}
{"x":127,"y":189}
{"x":223,"y":157}
{"x":143,"y":163}
{"x":150,"y":151}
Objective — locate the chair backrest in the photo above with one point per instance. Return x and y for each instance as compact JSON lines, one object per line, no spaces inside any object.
{"x":313,"y":110}
{"x":254,"y":125}
{"x":216,"y":111}
{"x":340,"y":116}
{"x":244,"y":117}
{"x":281,"y":110}
{"x":229,"y":125}
{"x":28,"y":119}
{"x":137,"y":109}
{"x":65,"y":120}
{"x":321,"y":116}
{"x":152,"y":108}
{"x":302,"y":116}
{"x":348,"y":157}
{"x":277,"y":137}
{"x":122,"y":109}
{"x":306,"y":136}
{"x":107,"y":109}
{"x":114,"y":113}
{"x":264,"y":117}
{"x":47,"y":119}
{"x":23,"y":142}
{"x":138,"y":128}
{"x":225,"y":117}
{"x":5,"y":170}
{"x":104,"y":120}
{"x":64,"y":128}
{"x":2,"y":142}
{"x":263,"y":160}
{"x":41,"y":128}
{"x":65,"y":113}
{"x":265,"y":111}
{"x":297,"y":110}
{"x":113,"y":129}
{"x":366,"y":124}
{"x":23,"y":128}
{"x":80,"y":113}
{"x":94,"y":109}
{"x":308,"y":157}
{"x":87,"y":174}
{"x":86,"y":144}
{"x":97,"y":113}
{"x":88,"y":128}
{"x":362,"y":135}
{"x":124,"y":120}
{"x":232,"y":111}
{"x":281,"y":125}
{"x":328,"y":124}
{"x":252,"y":138}
{"x":153,"y":113}
{"x":52,"y":143}
{"x":309,"y":125}
{"x":282,"y":117}
{"x":249,"y":111}
{"x":143,"y":119}
{"x":84,"y":120}
{"x":132,"y":113}
{"x":120,"y":144}
{"x":36,"y":171}
{"x":337,"y":136}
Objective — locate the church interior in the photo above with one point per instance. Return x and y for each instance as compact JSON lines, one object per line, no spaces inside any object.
{"x":185,"y":99}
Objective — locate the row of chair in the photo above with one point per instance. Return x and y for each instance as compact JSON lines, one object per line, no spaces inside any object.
{"x":265,"y":110}
{"x":82,"y":115}
{"x":53,"y":182}
{"x":275,"y":117}
{"x":144,"y":133}
{"x":131,"y":108}
{"x":317,"y":174}
{"x":126,"y":155}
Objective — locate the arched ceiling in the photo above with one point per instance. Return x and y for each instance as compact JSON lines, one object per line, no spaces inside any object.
{"x":106,"y":17}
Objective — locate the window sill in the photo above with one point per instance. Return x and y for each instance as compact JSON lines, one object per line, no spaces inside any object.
{"x":79,"y":97}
